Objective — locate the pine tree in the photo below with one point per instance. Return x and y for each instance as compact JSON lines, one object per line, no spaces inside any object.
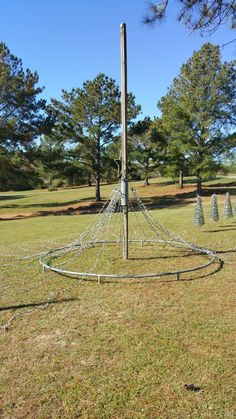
{"x":21,"y":110}
{"x":198,"y":216}
{"x":89,"y":118}
{"x":228,"y":212}
{"x":214,"y":214}
{"x":204,"y":16}
{"x":198,"y":108}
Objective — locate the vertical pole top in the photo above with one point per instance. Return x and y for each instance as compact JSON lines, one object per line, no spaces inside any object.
{"x":124,"y":159}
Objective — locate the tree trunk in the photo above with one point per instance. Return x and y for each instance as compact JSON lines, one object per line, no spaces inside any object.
{"x":146,"y":181}
{"x":199,"y":183}
{"x":89,"y":180}
{"x":181,"y":179}
{"x":98,"y":195}
{"x":98,"y":169}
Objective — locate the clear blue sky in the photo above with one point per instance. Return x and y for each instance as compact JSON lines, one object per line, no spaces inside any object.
{"x":70,"y":41}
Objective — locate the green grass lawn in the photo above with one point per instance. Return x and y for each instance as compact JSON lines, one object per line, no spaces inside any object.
{"x":123,"y":349}
{"x":25,"y":202}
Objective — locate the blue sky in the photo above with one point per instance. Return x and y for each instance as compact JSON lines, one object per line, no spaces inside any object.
{"x":70,"y":41}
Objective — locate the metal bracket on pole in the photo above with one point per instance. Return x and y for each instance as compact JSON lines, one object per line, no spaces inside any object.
{"x":124,"y":192}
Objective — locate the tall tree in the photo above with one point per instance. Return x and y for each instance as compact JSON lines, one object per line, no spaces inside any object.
{"x":90,"y":116}
{"x":17,"y":172}
{"x":176,"y":164}
{"x":148,"y":147}
{"x":205,"y":16}
{"x":21,"y":116}
{"x":200,"y":108}
{"x":50,"y":155}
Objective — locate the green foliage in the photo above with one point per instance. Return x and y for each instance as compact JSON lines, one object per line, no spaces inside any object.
{"x":21,"y":117}
{"x":17,"y":172}
{"x":52,"y":188}
{"x":205,"y":16}
{"x":175,"y":163}
{"x":228,"y":160}
{"x":147,"y":148}
{"x":198,"y":109}
{"x":80,"y":140}
{"x":50,"y":155}
{"x":89,"y":117}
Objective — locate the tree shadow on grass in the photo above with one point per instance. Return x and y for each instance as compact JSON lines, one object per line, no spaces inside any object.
{"x":174,"y":279}
{"x":226,"y":251}
{"x":221,"y":185}
{"x":50,"y":204}
{"x":167,"y":201}
{"x":92,"y":208}
{"x":43,"y":303}
{"x":183,"y":198}
{"x":228,"y":225}
{"x":225,"y":228}
{"x":9,"y":197}
{"x":186,"y":255}
{"x":159,"y":184}
{"x":217,"y":269}
{"x":219,"y":230}
{"x":187,"y":181}
{"x":181,"y":279}
{"x":179,"y":199}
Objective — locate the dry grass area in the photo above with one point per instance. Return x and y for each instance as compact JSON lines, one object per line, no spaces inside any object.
{"x":125,"y":349}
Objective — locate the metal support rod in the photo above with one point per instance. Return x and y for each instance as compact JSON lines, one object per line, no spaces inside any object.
{"x":124,"y":160}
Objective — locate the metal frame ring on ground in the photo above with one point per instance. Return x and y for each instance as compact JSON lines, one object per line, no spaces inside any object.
{"x":100,"y":276}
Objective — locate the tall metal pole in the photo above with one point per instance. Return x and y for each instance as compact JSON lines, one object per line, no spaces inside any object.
{"x":124,"y":160}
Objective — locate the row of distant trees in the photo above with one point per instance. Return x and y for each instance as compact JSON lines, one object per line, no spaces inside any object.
{"x":76,"y":140}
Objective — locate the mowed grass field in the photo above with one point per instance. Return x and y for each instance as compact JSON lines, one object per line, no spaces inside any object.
{"x":124,"y":349}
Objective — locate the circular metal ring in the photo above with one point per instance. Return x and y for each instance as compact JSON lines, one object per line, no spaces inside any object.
{"x":201,"y":251}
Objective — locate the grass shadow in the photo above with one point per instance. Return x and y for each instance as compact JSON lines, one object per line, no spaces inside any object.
{"x":218,"y":269}
{"x":225,"y":251}
{"x":92,"y":208}
{"x":219,"y":230}
{"x":176,"y":279}
{"x":16,"y":307}
{"x":166,"y":257}
{"x":164,"y":201}
{"x":220,"y":185}
{"x":228,"y":225}
{"x":11,"y":197}
{"x":50,"y":204}
{"x":183,"y":198}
